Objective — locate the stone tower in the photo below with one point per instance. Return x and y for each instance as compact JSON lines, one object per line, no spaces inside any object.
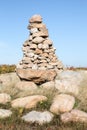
{"x":39,"y":63}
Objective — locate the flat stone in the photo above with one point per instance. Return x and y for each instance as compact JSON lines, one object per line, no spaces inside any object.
{"x":48,"y":85}
{"x":53,"y":63}
{"x":45,"y":46}
{"x":48,"y":41}
{"x":37,"y":76}
{"x":45,"y":55}
{"x":50,"y":67}
{"x":35,"y":19}
{"x":43,"y":61}
{"x":42,"y":68}
{"x":4,"y":98}
{"x":26,"y":85}
{"x":38,"y":40}
{"x":38,"y":117}
{"x":41,"y":34}
{"x":75,"y":116}
{"x":28,"y":102}
{"x":26,"y":60}
{"x":62,"y":103}
{"x":38,"y":51}
{"x":33,"y":46}
{"x":36,"y":25}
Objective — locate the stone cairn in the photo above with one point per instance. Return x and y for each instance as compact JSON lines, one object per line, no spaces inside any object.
{"x":39,"y":58}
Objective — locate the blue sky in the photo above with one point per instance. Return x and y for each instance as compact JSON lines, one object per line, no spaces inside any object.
{"x":66,"y":21}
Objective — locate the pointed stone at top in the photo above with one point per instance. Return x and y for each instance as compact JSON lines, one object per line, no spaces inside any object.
{"x":35,"y":19}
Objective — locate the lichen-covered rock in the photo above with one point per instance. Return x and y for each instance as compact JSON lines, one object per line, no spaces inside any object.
{"x":38,"y":117}
{"x":72,"y":77}
{"x":4,"y":113}
{"x":66,"y":86}
{"x":68,"y":82}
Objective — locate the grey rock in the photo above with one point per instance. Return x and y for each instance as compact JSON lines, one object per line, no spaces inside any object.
{"x":66,"y":86}
{"x":38,"y":117}
{"x":4,"y":113}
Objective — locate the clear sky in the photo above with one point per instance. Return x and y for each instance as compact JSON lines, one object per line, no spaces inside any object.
{"x":66,"y":21}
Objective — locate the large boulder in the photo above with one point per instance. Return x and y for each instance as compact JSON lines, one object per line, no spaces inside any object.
{"x":62,"y":103}
{"x":8,"y":79}
{"x":28,"y":102}
{"x":66,"y":86}
{"x":68,"y":81}
{"x":26,"y":85}
{"x":36,"y":76}
{"x":75,"y":116}
{"x":73,"y":77}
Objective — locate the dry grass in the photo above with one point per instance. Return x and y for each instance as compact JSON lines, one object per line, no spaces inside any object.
{"x":14,"y":122}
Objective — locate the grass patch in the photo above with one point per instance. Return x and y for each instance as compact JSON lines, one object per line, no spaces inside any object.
{"x":15,"y":123}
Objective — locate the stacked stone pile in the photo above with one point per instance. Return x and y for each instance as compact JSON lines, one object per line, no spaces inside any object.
{"x":38,"y":52}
